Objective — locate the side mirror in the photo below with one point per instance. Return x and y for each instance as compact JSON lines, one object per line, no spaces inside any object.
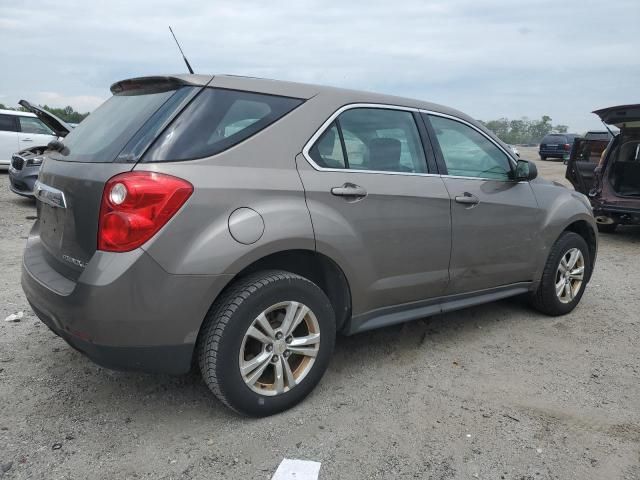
{"x":525,"y":170}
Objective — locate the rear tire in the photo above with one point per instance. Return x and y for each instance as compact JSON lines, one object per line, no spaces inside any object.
{"x":543,"y":157}
{"x":250,"y":357}
{"x":562,"y":283}
{"x":607,"y":227}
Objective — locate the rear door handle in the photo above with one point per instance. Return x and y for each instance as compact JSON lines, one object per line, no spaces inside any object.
{"x":27,"y":140}
{"x":467,"y":199}
{"x":349,"y":190}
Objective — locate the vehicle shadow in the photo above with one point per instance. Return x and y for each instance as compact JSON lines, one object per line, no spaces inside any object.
{"x":123,"y":395}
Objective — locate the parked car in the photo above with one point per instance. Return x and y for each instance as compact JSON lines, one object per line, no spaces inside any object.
{"x":19,"y":130}
{"x":25,"y":164}
{"x":241,"y":223}
{"x":557,"y":145}
{"x":611,"y":179}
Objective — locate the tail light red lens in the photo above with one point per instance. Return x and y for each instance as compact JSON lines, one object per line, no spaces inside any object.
{"x":135,"y":205}
{"x":567,"y":146}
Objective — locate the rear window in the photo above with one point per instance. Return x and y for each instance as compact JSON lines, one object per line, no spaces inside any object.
{"x":7,"y":123}
{"x":104,"y":133}
{"x":554,"y":139}
{"x":216,"y":120}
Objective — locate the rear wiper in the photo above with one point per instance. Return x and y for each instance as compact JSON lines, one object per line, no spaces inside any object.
{"x":57,"y":146}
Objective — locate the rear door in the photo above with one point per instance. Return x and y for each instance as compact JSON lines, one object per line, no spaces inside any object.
{"x":584,"y":158}
{"x":376,"y":207}
{"x":495,"y":220}
{"x":8,"y":138}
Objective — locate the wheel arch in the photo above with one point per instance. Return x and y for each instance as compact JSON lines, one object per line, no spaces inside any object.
{"x":586,"y":231}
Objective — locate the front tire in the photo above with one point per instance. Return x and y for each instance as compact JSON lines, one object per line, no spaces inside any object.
{"x":266,"y":342}
{"x":564,"y":277}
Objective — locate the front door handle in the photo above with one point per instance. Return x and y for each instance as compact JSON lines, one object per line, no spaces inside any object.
{"x":27,"y":140}
{"x":467,"y":199}
{"x":349,"y":190}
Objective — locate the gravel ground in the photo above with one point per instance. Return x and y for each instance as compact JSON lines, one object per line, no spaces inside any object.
{"x":494,"y":392}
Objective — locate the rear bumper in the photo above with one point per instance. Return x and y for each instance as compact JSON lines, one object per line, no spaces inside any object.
{"x":621,"y":215}
{"x":554,"y":153}
{"x":124,"y":311}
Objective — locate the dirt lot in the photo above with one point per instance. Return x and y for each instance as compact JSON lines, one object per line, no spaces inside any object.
{"x":493,"y":392}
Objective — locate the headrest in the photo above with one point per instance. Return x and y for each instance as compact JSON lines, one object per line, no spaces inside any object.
{"x":384,"y":154}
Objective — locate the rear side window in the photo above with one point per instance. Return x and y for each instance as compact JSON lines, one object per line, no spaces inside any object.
{"x":327,"y":151}
{"x":7,"y":123}
{"x":216,"y":120}
{"x":376,"y":139}
{"x":34,"y":125}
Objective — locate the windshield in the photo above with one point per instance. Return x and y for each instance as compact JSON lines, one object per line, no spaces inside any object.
{"x":104,"y":133}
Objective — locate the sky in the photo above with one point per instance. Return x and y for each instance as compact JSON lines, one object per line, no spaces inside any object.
{"x":490,"y":59}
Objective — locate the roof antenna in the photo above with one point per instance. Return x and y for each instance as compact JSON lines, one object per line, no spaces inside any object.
{"x":180,"y":48}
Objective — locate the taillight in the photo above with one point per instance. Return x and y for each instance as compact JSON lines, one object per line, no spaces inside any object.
{"x":567,"y":146}
{"x":135,"y":205}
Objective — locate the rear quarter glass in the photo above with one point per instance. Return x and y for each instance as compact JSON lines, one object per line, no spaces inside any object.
{"x":215,"y":120}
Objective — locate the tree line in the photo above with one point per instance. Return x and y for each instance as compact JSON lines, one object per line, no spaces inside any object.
{"x":524,"y":130}
{"x":68,"y":114}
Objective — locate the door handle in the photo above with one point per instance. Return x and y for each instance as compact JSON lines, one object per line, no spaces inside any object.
{"x":27,"y":140}
{"x":467,"y":199}
{"x":349,"y":190}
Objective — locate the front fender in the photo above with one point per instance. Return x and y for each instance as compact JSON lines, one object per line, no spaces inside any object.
{"x":562,"y":208}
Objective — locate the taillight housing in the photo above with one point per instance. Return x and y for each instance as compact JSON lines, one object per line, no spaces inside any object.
{"x":135,"y":205}
{"x":567,"y":146}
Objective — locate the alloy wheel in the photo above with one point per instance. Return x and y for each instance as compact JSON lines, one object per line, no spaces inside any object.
{"x":569,"y":275}
{"x":279,"y":348}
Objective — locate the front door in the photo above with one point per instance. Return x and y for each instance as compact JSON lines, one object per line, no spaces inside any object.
{"x":495,"y":220}
{"x":375,"y":207}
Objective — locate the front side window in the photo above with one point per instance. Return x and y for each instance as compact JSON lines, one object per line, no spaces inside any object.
{"x":468,"y":153}
{"x":34,"y":125}
{"x":376,"y":139}
{"x":7,"y":123}
{"x":215,"y":120}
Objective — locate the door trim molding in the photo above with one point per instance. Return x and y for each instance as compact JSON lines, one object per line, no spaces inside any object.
{"x":386,"y":316}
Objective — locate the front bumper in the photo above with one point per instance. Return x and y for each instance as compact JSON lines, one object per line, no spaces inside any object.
{"x":23,"y":181}
{"x":124,"y":311}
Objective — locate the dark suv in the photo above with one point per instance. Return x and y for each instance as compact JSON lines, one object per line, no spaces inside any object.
{"x":239,"y":224}
{"x":608,"y":169}
{"x":557,"y":145}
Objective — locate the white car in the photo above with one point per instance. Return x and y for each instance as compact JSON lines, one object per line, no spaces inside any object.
{"x":20,"y":130}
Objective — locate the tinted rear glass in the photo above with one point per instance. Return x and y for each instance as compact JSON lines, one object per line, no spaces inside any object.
{"x":554,"y":139}
{"x":104,"y":133}
{"x":7,"y":123}
{"x":215,"y":120}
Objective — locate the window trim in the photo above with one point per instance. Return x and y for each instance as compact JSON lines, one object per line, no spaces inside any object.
{"x":434,"y":150}
{"x":327,"y":123}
